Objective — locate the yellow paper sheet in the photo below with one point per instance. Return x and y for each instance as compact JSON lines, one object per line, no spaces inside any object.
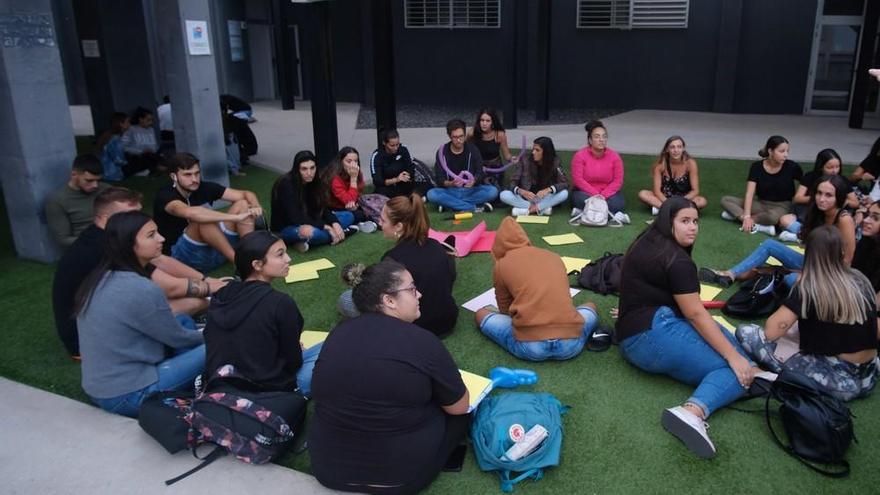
{"x":707,"y":292}
{"x":478,"y":387}
{"x":797,"y":249}
{"x":310,"y":338}
{"x":773,"y":261}
{"x":297,"y":274}
{"x":559,"y":240}
{"x":572,"y":264}
{"x":532,"y":219}
{"x":724,"y":323}
{"x":320,"y":264}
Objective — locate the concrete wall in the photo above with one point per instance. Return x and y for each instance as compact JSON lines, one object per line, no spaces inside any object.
{"x":232,"y":77}
{"x":68,"y":46}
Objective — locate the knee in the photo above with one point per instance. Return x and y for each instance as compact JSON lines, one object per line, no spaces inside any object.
{"x":239,"y":206}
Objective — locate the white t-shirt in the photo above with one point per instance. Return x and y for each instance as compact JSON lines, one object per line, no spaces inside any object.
{"x":164,"y":114}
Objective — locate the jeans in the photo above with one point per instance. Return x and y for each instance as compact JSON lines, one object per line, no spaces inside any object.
{"x":789,"y":258}
{"x":673,"y":347}
{"x":176,"y":373}
{"x":462,"y":198}
{"x":304,"y":375}
{"x":499,"y":328}
{"x":836,"y":377}
{"x":290,"y":234}
{"x":515,"y":200}
{"x":615,"y":203}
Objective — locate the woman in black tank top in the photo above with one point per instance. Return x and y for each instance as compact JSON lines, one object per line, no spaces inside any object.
{"x":489,"y":137}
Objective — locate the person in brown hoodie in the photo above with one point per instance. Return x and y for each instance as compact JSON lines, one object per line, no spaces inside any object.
{"x":536,"y":320}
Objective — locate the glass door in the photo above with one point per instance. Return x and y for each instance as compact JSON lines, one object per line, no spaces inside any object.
{"x":835,"y":47}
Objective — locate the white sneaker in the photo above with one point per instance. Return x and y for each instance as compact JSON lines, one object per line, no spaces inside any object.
{"x":367,"y":227}
{"x":690,"y":429}
{"x":765,"y":229}
{"x":727,"y":216}
{"x":440,"y":208}
{"x":655,"y":210}
{"x":516,"y":212}
{"x":786,"y":236}
{"x":546,"y":211}
{"x":622,"y":218}
{"x":576,"y":212}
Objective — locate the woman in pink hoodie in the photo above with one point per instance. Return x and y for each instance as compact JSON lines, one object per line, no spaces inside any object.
{"x":598,"y":170}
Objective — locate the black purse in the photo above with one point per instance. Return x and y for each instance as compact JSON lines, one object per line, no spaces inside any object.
{"x":819,"y":427}
{"x":758,"y":297}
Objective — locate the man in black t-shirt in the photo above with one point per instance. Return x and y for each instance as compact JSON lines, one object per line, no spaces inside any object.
{"x":463,"y":186}
{"x":194,"y":234}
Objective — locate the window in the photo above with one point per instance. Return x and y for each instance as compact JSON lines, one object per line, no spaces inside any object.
{"x":452,"y":14}
{"x":632,"y":14}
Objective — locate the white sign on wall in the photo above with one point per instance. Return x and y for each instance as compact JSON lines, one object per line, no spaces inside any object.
{"x":197,"y":38}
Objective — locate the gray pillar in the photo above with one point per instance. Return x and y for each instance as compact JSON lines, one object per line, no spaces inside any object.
{"x":192,"y":85}
{"x":37,"y":135}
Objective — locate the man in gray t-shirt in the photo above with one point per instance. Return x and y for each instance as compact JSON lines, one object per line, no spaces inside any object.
{"x":69,"y":209}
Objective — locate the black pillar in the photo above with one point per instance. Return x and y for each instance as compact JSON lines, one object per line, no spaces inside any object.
{"x":509,"y":104}
{"x":323,"y":97}
{"x":88,"y":14}
{"x":383,"y":67}
{"x":285,"y":55}
{"x":728,"y":54}
{"x":865,"y":59}
{"x":542,"y":64}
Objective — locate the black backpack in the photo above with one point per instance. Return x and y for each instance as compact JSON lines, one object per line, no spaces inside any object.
{"x":818,"y":426}
{"x":757,"y":297}
{"x":602,"y":275}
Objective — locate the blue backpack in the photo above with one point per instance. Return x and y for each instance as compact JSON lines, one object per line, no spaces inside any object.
{"x":501,"y":418}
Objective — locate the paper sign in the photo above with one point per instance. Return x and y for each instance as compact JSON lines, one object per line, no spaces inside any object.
{"x":797,"y":249}
{"x":197,"y":38}
{"x":707,"y":292}
{"x":488,"y":299}
{"x":90,"y":49}
{"x":559,"y":240}
{"x":572,"y":264}
{"x":532,"y":219}
{"x":724,"y":323}
{"x":319,"y":264}
{"x":773,"y":261}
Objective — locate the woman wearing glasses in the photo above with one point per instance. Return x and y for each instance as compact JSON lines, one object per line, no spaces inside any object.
{"x":390,"y":402}
{"x":597,"y":170}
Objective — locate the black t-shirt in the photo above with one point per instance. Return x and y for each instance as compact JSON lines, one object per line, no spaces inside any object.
{"x":83,"y":256}
{"x":778,"y":186}
{"x":828,"y":339}
{"x":379,"y":384}
{"x":810,"y":178}
{"x":653,"y":271}
{"x":434,"y":274}
{"x":172,"y":227}
{"x":867,"y":260}
{"x":384,"y":166}
{"x":871,"y":164}
{"x":469,"y":159}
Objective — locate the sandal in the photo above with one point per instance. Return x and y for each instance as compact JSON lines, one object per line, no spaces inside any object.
{"x":713,"y":277}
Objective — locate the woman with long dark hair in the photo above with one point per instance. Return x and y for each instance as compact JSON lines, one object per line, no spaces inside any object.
{"x":674,"y":173}
{"x":828,"y":162}
{"x":390,"y":402}
{"x":489,"y":137}
{"x":126,"y":326}
{"x":299,"y":207}
{"x":539,"y":183}
{"x":867,"y":255}
{"x":663,"y":327}
{"x":110,"y":147}
{"x":255,"y":327}
{"x":346,"y":183}
{"x":835,"y":311}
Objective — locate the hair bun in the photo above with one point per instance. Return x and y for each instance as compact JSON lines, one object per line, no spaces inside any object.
{"x":352,"y":273}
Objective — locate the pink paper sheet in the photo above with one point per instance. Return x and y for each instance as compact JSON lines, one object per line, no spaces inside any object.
{"x":477,"y":240}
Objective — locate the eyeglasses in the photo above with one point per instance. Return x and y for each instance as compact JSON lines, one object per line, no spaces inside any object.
{"x":412,"y":289}
{"x":457,"y":136}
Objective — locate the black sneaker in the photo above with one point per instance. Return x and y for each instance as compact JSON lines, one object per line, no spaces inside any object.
{"x":713,"y":277}
{"x":350,"y":231}
{"x":488,"y":207}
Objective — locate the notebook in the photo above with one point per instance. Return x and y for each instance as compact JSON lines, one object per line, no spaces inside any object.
{"x":311,"y":338}
{"x":478,"y":388}
{"x":562,"y":239}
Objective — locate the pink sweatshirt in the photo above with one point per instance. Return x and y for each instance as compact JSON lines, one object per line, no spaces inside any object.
{"x":597,"y":175}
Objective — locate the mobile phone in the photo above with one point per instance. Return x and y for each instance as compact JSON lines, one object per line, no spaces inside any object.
{"x":456,"y":459}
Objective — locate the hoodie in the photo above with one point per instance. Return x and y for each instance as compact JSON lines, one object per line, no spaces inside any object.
{"x":531,"y":287}
{"x":256,"y":329}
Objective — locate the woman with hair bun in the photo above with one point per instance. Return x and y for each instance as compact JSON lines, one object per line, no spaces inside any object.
{"x":255,"y":327}
{"x":390,"y":402}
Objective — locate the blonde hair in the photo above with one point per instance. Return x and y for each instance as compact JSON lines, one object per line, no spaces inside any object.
{"x":836,"y":292}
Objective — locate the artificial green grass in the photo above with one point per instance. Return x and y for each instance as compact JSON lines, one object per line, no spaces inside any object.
{"x":613,"y":438}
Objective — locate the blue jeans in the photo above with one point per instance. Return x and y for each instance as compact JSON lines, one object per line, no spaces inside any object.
{"x":615,"y":203}
{"x":200,"y":255}
{"x":515,"y":200}
{"x":462,"y":198}
{"x":789,"y":258}
{"x":176,"y":373}
{"x":304,"y":375}
{"x":674,"y":348}
{"x":290,"y":234}
{"x":499,"y":328}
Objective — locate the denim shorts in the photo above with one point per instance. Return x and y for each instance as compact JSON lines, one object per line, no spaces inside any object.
{"x":200,"y":255}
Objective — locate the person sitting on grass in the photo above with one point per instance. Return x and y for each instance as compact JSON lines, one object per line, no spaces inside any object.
{"x":489,"y":137}
{"x":663,"y":327}
{"x":597,"y":170}
{"x":255,"y":327}
{"x":538,"y":183}
{"x":196,"y":235}
{"x":868,"y":172}
{"x":769,"y":191}
{"x":405,"y":220}
{"x":674,"y":174}
{"x":835,"y":311}
{"x":826,"y":208}
{"x":866,"y":258}
{"x":109,"y":146}
{"x":458,"y":166}
{"x":346,"y":183}
{"x":126,"y":327}
{"x":536,"y":319}
{"x":391,"y":405}
{"x":70,"y":208}
{"x":391,"y":166}
{"x":828,"y":162}
{"x":185,"y":289}
{"x":299,"y":208}
{"x":140,"y":145}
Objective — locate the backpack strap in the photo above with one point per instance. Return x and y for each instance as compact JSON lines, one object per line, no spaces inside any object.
{"x":791,"y":452}
{"x":215,"y":454}
{"x":507,"y":482}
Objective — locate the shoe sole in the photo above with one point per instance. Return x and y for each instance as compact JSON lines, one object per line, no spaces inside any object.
{"x":691,"y":438}
{"x":707,"y":275}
